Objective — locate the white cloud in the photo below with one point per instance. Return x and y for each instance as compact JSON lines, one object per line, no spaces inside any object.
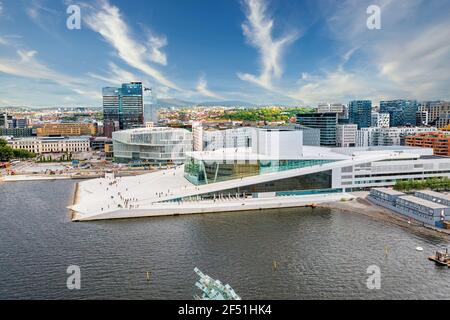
{"x":202,"y":88}
{"x":155,"y":46}
{"x":108,"y":22}
{"x":27,"y":66}
{"x":258,"y":30}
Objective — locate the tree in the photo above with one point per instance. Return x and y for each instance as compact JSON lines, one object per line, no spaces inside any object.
{"x":23,"y":154}
{"x":3,"y":143}
{"x":6,"y":154}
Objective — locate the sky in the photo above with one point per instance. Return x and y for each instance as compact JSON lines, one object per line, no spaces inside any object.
{"x":296,"y":52}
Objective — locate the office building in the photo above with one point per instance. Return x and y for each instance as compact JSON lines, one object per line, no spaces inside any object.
{"x":346,"y":135}
{"x":152,"y":145}
{"x":380,"y":120}
{"x":401,"y":112}
{"x":435,"y":109}
{"x":326,"y":122}
{"x":123,"y":108}
{"x":360,"y":113}
{"x":67,"y":129}
{"x":422,"y":118}
{"x":44,"y":145}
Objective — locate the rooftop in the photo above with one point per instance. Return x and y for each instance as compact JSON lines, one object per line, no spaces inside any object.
{"x":435,"y":194}
{"x":389,"y":191}
{"x":422,"y":202}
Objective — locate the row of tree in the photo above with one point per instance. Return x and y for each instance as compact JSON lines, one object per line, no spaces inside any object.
{"x":7,"y":153}
{"x":438,"y":184}
{"x":263,"y":114}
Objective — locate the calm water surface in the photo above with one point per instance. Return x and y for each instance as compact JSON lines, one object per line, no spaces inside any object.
{"x":321,"y":253}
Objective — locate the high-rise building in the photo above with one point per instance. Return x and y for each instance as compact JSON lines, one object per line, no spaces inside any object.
{"x":401,"y":112}
{"x":124,"y":105}
{"x":326,"y":122}
{"x":360,"y":113}
{"x":422,"y":118}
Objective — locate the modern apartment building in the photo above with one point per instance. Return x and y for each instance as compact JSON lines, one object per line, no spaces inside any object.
{"x":326,"y":122}
{"x":360,"y":113}
{"x":67,"y":129}
{"x":124,"y":106}
{"x":435,"y":109}
{"x":52,"y":144}
{"x":368,"y":137}
{"x":439,"y":142}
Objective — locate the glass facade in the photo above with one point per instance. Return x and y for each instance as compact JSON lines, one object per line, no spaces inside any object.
{"x":315,"y":183}
{"x":402,"y":112}
{"x":326,"y":122}
{"x":360,"y":113}
{"x":124,"y":105}
{"x":201,"y":172}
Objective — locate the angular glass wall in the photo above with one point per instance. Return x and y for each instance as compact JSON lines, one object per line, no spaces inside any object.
{"x":204,"y":172}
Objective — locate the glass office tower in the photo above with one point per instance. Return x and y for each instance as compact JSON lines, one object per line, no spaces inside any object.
{"x":402,"y":112}
{"x":123,"y":108}
{"x":360,"y":113}
{"x":326,"y":122}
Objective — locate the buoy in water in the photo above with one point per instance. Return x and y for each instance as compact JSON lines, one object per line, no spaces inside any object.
{"x":419,"y":248}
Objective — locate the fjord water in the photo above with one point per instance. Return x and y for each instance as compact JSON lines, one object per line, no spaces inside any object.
{"x":322,"y":254}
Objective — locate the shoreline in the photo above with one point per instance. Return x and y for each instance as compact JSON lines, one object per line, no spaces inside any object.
{"x":363,"y":207}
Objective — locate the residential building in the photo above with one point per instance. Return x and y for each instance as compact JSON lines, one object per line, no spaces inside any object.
{"x":346,"y":135}
{"x":380,"y":120}
{"x":368,"y":137}
{"x":123,"y":106}
{"x":51,"y":144}
{"x":67,"y":129}
{"x":152,"y":145}
{"x":439,"y":142}
{"x":360,"y":113}
{"x":326,"y":122}
{"x":434,"y":110}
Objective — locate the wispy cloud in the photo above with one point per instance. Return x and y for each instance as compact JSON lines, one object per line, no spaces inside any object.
{"x":202,"y":88}
{"x":155,"y":46}
{"x":107,"y":20}
{"x":258,"y":29}
{"x":26,"y":65}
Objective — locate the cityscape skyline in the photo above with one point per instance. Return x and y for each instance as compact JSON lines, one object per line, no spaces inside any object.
{"x":263,"y":52}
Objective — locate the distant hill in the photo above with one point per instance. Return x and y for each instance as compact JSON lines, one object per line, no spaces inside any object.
{"x":183,"y":103}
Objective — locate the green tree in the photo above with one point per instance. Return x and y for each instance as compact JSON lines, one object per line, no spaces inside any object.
{"x":6,"y":153}
{"x":3,"y":143}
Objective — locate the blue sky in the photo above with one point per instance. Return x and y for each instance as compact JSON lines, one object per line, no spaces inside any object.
{"x":261,"y":51}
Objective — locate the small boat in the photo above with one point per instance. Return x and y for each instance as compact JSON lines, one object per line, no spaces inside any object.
{"x":442,"y":258}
